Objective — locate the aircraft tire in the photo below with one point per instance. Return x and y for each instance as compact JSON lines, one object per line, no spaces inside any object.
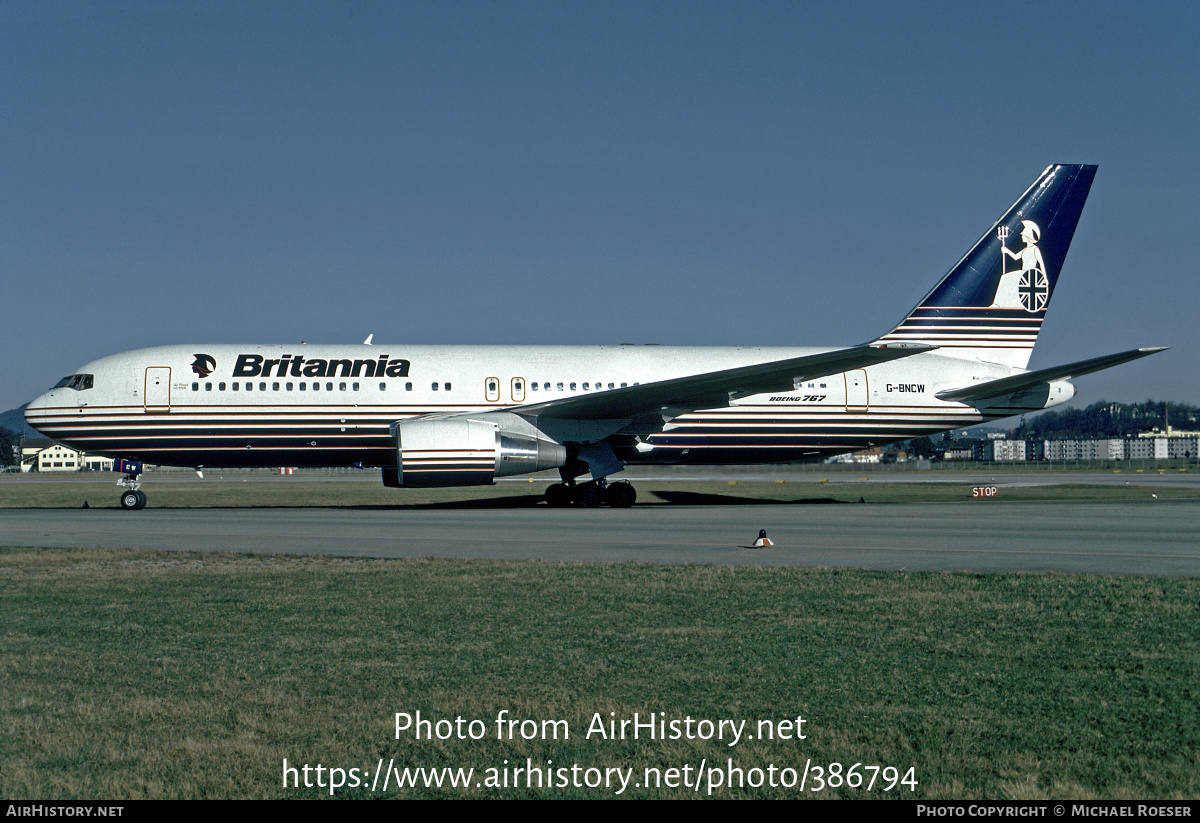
{"x":558,"y":496}
{"x":141,"y":499}
{"x":620,"y":495}
{"x":131,"y":500}
{"x":588,"y":495}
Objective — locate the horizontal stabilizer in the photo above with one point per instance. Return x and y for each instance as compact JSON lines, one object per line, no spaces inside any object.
{"x":1008,"y":385}
{"x":714,"y":389}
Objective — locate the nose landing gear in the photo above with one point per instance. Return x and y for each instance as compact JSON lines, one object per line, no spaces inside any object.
{"x":132,"y":497}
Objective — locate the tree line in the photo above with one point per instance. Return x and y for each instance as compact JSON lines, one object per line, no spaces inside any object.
{"x":1108,"y":419}
{"x":8,"y":447}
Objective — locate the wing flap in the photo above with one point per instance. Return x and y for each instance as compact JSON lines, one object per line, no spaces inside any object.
{"x":714,"y":389}
{"x":1008,"y":385}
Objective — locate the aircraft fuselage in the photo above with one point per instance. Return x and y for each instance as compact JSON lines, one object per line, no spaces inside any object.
{"x":321,"y":405}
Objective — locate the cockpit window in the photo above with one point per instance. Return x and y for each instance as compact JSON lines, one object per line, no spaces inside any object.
{"x":79,"y":382}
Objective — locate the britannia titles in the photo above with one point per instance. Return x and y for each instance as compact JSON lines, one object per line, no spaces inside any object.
{"x":255,"y":365}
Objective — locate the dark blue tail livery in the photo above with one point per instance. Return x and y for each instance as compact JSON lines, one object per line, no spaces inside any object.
{"x":990,"y":306}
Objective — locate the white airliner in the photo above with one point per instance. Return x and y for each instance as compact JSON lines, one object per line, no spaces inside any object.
{"x":465,"y":415}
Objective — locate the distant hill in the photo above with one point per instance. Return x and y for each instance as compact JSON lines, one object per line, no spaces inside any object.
{"x":14,"y":421}
{"x":1105,"y":419}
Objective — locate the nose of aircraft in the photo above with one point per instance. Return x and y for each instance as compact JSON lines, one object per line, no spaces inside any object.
{"x":43,"y":401}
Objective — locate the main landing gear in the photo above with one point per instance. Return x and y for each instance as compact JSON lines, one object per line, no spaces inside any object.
{"x":619,"y":495}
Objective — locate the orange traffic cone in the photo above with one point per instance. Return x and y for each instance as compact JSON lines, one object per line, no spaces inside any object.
{"x":763,"y":542}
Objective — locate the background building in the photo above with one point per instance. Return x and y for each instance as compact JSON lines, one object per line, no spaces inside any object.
{"x":43,"y":455}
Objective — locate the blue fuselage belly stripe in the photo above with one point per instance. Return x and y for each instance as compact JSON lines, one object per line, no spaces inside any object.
{"x":245,"y":438}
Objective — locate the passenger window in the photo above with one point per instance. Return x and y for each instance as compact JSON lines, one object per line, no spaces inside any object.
{"x":533,"y":386}
{"x":195,"y":387}
{"x":560,"y":386}
{"x":262,"y":386}
{"x":274,"y":387}
{"x":208,"y":386}
{"x":289,"y":385}
{"x":408,"y":386}
{"x":572,"y":387}
{"x":585,"y":386}
{"x":341,"y":386}
{"x":235,"y":386}
{"x":447,"y":386}
{"x":624,"y":385}
{"x":316,"y":385}
{"x":303,"y":386}
{"x":328,"y":387}
{"x":433,"y":386}
{"x":383,"y":386}
{"x":610,"y":385}
{"x":354,"y":386}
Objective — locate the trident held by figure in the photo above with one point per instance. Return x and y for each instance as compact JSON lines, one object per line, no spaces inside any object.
{"x":1002,"y":233}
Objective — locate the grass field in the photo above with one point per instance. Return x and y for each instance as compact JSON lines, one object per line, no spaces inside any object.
{"x":234,"y":491}
{"x":141,"y":674}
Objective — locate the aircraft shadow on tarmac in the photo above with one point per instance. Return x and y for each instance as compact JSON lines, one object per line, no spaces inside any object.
{"x":527,"y":501}
{"x":700,"y":499}
{"x":665,"y":498}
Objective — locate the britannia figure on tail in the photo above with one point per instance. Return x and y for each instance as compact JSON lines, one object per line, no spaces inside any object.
{"x":1027,"y":287}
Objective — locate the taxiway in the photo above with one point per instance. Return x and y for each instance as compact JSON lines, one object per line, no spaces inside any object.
{"x":1154,"y":537}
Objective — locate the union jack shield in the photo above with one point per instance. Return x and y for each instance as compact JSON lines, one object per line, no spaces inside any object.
{"x":1034,"y":290}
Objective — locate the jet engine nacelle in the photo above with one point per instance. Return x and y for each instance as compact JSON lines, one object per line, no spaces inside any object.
{"x":1060,"y":392}
{"x":466,"y":451}
{"x":1041,"y":396}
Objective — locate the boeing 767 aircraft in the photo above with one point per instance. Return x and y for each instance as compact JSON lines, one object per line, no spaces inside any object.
{"x":465,"y":415}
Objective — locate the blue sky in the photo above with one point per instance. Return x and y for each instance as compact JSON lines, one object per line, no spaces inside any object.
{"x":543,"y":173}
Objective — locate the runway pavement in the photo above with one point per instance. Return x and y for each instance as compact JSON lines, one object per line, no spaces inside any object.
{"x":1153,"y":537}
{"x":678,"y":474}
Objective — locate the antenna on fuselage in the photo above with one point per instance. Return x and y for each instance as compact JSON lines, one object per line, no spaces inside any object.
{"x":367,"y":342}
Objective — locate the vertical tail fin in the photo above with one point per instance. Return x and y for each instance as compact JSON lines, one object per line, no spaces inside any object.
{"x":990,"y":306}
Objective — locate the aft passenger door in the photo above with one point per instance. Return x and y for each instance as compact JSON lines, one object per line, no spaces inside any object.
{"x":856,"y":390}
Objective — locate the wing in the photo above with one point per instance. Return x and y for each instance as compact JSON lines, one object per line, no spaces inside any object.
{"x":716,"y":389}
{"x":1008,"y":385}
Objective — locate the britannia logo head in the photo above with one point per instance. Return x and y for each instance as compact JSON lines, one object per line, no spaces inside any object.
{"x":204,"y":365}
